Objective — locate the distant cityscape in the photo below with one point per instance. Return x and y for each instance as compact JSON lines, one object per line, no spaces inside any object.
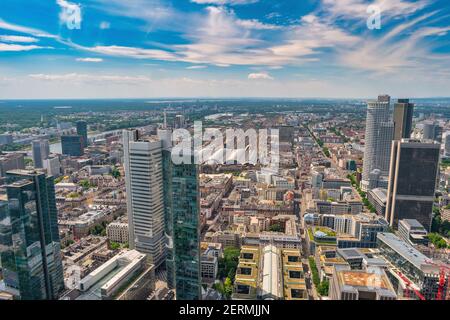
{"x":355,"y":206}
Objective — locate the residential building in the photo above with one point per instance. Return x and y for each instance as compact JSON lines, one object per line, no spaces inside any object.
{"x":118,"y":232}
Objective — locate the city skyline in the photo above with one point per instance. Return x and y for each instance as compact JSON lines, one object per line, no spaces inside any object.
{"x":223,"y":48}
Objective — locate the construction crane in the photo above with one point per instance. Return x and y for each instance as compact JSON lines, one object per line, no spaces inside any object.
{"x":408,"y":286}
{"x":444,"y":272}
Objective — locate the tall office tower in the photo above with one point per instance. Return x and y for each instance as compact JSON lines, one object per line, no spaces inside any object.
{"x":403,"y":115}
{"x":182,"y":204}
{"x":378,"y":137}
{"x":447,"y":144}
{"x":29,"y":244}
{"x":412,"y":181}
{"x":82,"y":131}
{"x":145,"y":202}
{"x":432,"y":130}
{"x":40,"y":150}
{"x":72,"y":145}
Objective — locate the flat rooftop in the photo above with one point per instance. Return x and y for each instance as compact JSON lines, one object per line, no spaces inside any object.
{"x":404,"y":249}
{"x":363,"y":279}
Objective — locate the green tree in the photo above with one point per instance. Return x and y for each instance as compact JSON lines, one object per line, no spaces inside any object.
{"x":276,"y":228}
{"x":323,"y":287}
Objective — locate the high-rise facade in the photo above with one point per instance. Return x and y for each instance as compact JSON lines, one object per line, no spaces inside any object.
{"x":447,"y":144}
{"x":182,"y":214}
{"x":145,"y":202}
{"x":72,"y":145}
{"x":29,"y":239}
{"x":412,"y":181}
{"x":378,"y":137}
{"x":82,"y":131}
{"x":403,"y":115}
{"x":40,"y":151}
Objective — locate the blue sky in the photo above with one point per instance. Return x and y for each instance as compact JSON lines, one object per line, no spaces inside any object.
{"x":223,"y":48}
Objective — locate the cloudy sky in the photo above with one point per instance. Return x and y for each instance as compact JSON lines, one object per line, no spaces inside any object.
{"x":223,"y":48}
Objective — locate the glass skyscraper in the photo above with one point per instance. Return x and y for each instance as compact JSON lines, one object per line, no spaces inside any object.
{"x":72,"y":145}
{"x":82,"y":131}
{"x":29,"y":237}
{"x":182,"y":214}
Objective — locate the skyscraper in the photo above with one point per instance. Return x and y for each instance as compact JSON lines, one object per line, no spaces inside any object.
{"x":145,"y":203}
{"x":412,"y":181}
{"x":182,"y":214}
{"x":447,"y":144}
{"x":40,"y":150}
{"x":82,"y":131}
{"x":72,"y":145}
{"x":29,"y":238}
{"x":378,"y":137}
{"x":403,"y":115}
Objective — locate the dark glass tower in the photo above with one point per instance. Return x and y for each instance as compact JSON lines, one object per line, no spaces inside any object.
{"x":82,"y":131}
{"x":72,"y":145}
{"x":182,"y":214}
{"x":29,"y":238}
{"x":412,"y":181}
{"x":403,"y":114}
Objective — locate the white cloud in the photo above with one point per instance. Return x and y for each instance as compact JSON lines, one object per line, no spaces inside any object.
{"x":91,"y":78}
{"x":104,"y":25}
{"x":89,"y":59}
{"x":18,"y":47}
{"x":260,"y":76}
{"x":132,"y":52}
{"x":225,"y":2}
{"x":21,"y":39}
{"x":356,"y":9}
{"x":70,"y":14}
{"x":30,"y":31}
{"x":196,"y":67}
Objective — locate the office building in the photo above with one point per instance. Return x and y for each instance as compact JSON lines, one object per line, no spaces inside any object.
{"x":118,"y":232}
{"x":144,"y":187}
{"x":53,"y":166}
{"x":6,"y":139}
{"x":30,"y":253}
{"x":378,"y":137}
{"x":72,"y":145}
{"x":412,"y":181}
{"x":182,"y":217}
{"x":377,"y":197}
{"x":82,"y":131}
{"x":412,"y":232}
{"x":347,"y":284}
{"x":403,"y":115}
{"x":447,"y":144}
{"x":11,"y":161}
{"x":408,"y":263}
{"x":40,"y":151}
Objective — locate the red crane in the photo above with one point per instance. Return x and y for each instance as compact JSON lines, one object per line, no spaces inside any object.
{"x":408,"y":286}
{"x":444,"y":272}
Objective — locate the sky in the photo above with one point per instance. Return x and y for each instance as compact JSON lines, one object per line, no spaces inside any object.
{"x":224,"y":48}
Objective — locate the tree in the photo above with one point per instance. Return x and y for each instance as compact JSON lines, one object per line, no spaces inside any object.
{"x":115,"y":173}
{"x":323,"y":287}
{"x":85,"y":184}
{"x":228,"y":287}
{"x":229,"y":262}
{"x":114,"y":245}
{"x":276,"y":228}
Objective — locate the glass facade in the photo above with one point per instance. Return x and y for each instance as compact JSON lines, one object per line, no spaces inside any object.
{"x":72,"y":145}
{"x":82,"y":131}
{"x":182,"y":205}
{"x":29,"y":238}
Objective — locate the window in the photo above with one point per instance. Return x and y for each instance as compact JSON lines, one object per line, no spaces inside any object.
{"x":247,"y":255}
{"x":296,"y":293}
{"x":295,"y":274}
{"x":241,"y":289}
{"x":293,"y":258}
{"x":245,"y":271}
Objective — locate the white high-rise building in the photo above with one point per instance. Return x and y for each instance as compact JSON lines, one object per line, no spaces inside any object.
{"x":53,"y":166}
{"x":145,"y":202}
{"x":447,"y":144}
{"x":40,"y":150}
{"x":378,"y":139}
